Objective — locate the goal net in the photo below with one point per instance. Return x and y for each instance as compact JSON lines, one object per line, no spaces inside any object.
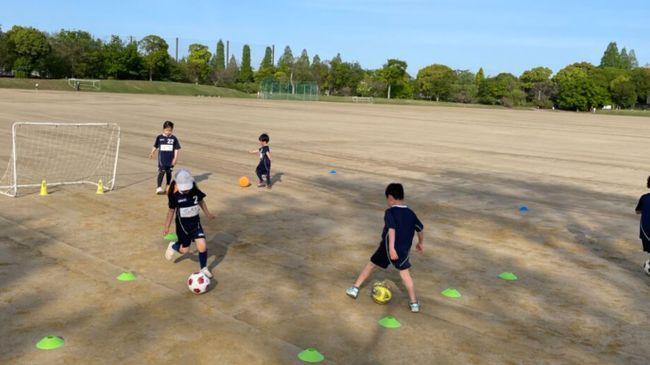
{"x":84,"y":84}
{"x":287,"y":90}
{"x":61,"y":154}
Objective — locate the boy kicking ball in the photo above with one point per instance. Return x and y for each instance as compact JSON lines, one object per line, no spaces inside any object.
{"x":185,"y":200}
{"x":263,"y":169}
{"x":400,"y":225}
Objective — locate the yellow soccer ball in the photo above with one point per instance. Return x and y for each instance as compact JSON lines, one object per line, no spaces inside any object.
{"x":380,"y":293}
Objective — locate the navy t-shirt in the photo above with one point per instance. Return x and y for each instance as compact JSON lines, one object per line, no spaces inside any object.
{"x":405,"y":222}
{"x":186,"y":205}
{"x":263,"y":156}
{"x":166,"y":147}
{"x":644,"y":207}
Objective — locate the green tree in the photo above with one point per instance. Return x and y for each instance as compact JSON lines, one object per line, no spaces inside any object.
{"x":156,"y":57}
{"x":623,"y":92}
{"x":641,"y":79}
{"x":611,"y":57}
{"x":6,"y":57}
{"x":480,"y":76}
{"x":246,"y":71}
{"x":393,"y":72}
{"x":302,"y":68}
{"x":464,"y":88}
{"x":537,"y":85}
{"x":577,"y":90}
{"x":319,"y":72}
{"x":30,"y":47}
{"x":286,"y":61}
{"x":231,"y":73}
{"x":634,"y":63}
{"x":503,"y":89}
{"x":219,"y":60}
{"x":178,"y":70}
{"x":198,"y":62}
{"x":78,"y":54}
{"x":121,"y":61}
{"x":434,"y":81}
{"x":266,"y":69}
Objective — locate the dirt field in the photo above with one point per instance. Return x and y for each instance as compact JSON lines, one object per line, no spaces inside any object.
{"x":283,"y":258}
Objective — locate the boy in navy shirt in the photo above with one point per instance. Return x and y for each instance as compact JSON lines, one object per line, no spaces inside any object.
{"x":263,"y":169}
{"x":400,"y":225}
{"x":168,"y":147}
{"x":643,"y":208}
{"x":185,"y":201}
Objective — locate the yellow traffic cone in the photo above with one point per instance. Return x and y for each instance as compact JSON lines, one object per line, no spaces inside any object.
{"x":43,"y":188}
{"x":100,"y":187}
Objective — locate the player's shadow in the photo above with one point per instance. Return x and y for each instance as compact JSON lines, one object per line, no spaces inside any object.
{"x":202,"y":177}
{"x":218,"y":247}
{"x":276,"y":178}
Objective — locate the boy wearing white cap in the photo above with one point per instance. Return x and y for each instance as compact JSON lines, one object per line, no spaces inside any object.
{"x":185,"y":201}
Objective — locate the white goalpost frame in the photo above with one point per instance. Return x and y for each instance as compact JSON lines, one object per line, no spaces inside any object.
{"x":14,"y":178}
{"x":91,"y":83}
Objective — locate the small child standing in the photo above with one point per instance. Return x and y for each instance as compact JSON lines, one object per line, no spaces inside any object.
{"x":263,"y":169}
{"x":400,"y":225}
{"x":168,"y":146}
{"x":185,"y":199}
{"x":643,"y":208}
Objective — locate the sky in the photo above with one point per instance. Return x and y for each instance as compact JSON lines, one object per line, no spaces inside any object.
{"x":498,"y":35}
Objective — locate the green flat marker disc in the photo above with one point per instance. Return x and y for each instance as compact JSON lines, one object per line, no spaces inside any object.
{"x":50,"y":343}
{"x":389,"y":322}
{"x":451,"y":293}
{"x":126,"y":276}
{"x":171,"y":237}
{"x":508,"y":276}
{"x":311,"y":355}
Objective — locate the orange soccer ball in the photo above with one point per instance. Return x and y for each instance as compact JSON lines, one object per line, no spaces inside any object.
{"x":244,"y":182}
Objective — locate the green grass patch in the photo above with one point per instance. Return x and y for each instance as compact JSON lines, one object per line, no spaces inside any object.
{"x":127,"y":86}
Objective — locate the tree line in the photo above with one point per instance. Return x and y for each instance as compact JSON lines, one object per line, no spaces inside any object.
{"x":617,"y":80}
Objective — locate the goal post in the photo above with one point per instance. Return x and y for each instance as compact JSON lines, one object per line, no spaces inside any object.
{"x":85,"y":84}
{"x":61,"y":154}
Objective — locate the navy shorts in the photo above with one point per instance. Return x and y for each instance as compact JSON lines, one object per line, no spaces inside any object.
{"x":382,"y":259}
{"x":646,"y":244}
{"x":187,"y":233}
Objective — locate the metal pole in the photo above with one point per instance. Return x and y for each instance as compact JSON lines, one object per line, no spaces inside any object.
{"x":176,"y":49}
{"x":227,"y":52}
{"x":273,"y":54}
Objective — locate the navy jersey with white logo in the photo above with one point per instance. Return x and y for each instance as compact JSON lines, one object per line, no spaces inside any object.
{"x":263,"y":156}
{"x":405,"y":223}
{"x":644,"y":208}
{"x":166,"y":147}
{"x":186,"y":205}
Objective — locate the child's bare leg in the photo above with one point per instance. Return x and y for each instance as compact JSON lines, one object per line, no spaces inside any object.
{"x":184,"y":250}
{"x":365,"y":273}
{"x":408,"y":283}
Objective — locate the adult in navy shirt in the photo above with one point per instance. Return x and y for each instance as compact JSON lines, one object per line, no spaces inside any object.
{"x":167,"y":145}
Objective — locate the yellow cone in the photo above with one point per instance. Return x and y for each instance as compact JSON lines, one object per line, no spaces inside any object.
{"x":100,"y":187}
{"x":43,"y":188}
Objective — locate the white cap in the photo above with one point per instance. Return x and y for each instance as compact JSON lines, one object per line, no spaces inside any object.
{"x":184,"y":180}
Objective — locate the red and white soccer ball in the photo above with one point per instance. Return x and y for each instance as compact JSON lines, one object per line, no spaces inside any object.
{"x":198,"y":283}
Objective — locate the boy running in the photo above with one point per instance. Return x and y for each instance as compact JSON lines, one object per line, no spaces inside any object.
{"x":185,"y":199}
{"x":400,"y":225}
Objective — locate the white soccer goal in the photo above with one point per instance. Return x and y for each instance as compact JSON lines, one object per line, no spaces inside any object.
{"x":61,"y":154}
{"x":85,"y":84}
{"x":363,"y":99}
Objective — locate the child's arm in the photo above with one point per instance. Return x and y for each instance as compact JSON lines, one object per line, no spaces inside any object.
{"x":419,"y":246}
{"x":268,"y":153}
{"x":205,"y":209}
{"x":168,"y":220}
{"x":175,"y":158}
{"x":151,"y":153}
{"x":391,"y":244}
{"x":254,"y":151}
